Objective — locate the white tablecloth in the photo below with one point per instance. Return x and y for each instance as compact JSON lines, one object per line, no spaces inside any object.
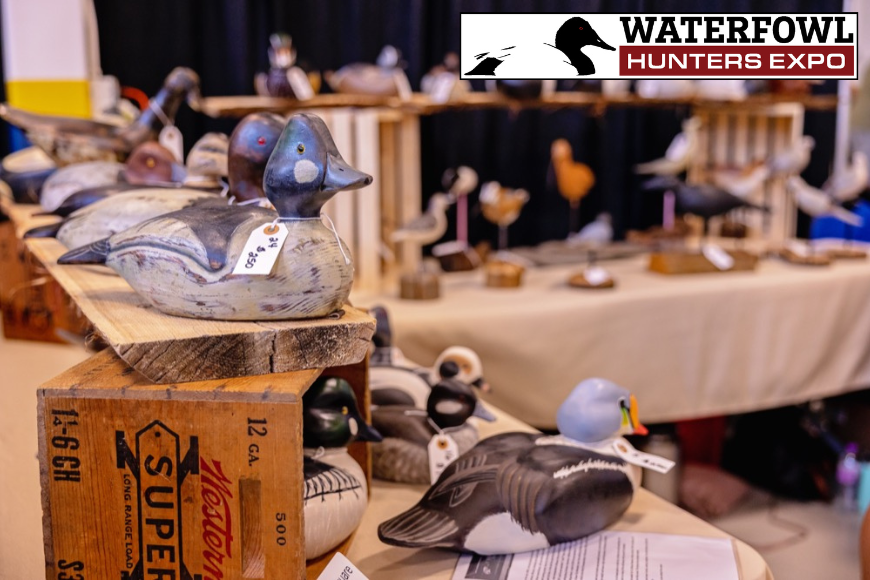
{"x":688,"y":346}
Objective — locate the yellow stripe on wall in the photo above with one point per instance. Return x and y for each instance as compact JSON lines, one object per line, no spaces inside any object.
{"x":57,"y":97}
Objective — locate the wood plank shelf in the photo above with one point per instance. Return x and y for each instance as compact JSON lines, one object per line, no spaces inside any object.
{"x":421,"y":104}
{"x":169,"y":349}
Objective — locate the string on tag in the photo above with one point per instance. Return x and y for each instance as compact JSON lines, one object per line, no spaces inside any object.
{"x":161,"y":114}
{"x":337,"y":239}
{"x":331,"y":226}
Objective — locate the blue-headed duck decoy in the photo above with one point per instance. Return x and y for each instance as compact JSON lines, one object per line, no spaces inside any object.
{"x":70,"y":140}
{"x":403,"y":455}
{"x":517,"y":492}
{"x":336,"y":493}
{"x":183,"y":262}
{"x":248,"y":151}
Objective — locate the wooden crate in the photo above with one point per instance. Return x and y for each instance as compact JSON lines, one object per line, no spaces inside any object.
{"x":202,"y":480}
{"x":34,"y":306}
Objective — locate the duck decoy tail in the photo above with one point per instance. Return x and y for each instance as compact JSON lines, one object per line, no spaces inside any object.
{"x":91,"y":254}
{"x":47,"y":231}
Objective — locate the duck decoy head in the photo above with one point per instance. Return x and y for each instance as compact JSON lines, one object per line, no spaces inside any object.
{"x":596,"y":410}
{"x":250,"y":147}
{"x":463,"y":364}
{"x":185,"y":81}
{"x":282,"y":55}
{"x":306,"y":169}
{"x":576,"y":33}
{"x":331,"y":416}
{"x":451,"y":403}
{"x":389,"y":57}
{"x":151,"y":162}
{"x":208,"y":156}
{"x":561,"y":149}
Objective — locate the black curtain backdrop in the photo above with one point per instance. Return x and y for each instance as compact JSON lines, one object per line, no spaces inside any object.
{"x":226,"y":41}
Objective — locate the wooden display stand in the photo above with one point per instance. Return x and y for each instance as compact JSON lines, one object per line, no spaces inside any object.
{"x":695,"y":263}
{"x":34,"y":306}
{"x":816,"y":259}
{"x":201,"y":478}
{"x":503,"y":274}
{"x":420,"y":286}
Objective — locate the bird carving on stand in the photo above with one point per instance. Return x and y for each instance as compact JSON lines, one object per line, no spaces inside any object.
{"x":573,"y":178}
{"x":679,"y":154}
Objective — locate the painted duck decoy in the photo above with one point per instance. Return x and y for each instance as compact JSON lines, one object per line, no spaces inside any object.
{"x":442,"y":82}
{"x":517,"y":492}
{"x":284,"y":78}
{"x":679,"y":154}
{"x":386,"y":78}
{"x":403,"y":455}
{"x":252,"y":144}
{"x":183,"y":262}
{"x":702,"y":200}
{"x":69,"y":140}
{"x":563,"y":59}
{"x":815,"y":203}
{"x":25,"y":172}
{"x":74,"y":178}
{"x":336,"y":493}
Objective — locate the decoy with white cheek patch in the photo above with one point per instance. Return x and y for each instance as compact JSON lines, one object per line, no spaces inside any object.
{"x":518,"y":492}
{"x":183,"y":262}
{"x":336,"y":495}
{"x":251,"y":145}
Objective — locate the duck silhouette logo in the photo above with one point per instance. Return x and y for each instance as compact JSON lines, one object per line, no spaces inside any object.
{"x":572,"y":37}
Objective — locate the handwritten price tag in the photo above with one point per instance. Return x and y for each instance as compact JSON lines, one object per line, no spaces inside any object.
{"x":443,"y":451}
{"x":647,"y":460}
{"x":719,"y":257}
{"x":171,"y":138}
{"x":262,"y":250}
{"x":340,"y":568}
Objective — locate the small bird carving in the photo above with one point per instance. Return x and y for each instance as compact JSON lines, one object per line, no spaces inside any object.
{"x":814,"y":202}
{"x":793,"y":160}
{"x":428,"y":227}
{"x":851,"y":182}
{"x":573,"y":178}
{"x":679,"y":154}
{"x":502,"y":205}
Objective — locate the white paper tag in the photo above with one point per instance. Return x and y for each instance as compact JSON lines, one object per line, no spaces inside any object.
{"x":171,"y":138}
{"x":403,"y":87}
{"x":443,"y":87}
{"x":299,"y":83}
{"x":719,"y":257}
{"x":340,"y":568}
{"x":443,"y":451}
{"x":596,"y":275}
{"x":262,"y":250}
{"x":631,"y":455}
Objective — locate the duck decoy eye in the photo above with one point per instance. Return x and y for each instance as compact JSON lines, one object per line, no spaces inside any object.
{"x":344,"y":411}
{"x":581,"y":28}
{"x":150,"y":163}
{"x":300,"y":149}
{"x":261,"y":141}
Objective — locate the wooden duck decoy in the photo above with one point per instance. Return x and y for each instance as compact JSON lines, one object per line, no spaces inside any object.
{"x":517,"y":492}
{"x":183,"y":262}
{"x":403,"y":455}
{"x":71,"y":179}
{"x":386,"y":78}
{"x":284,"y":78}
{"x":442,"y":82}
{"x":25,"y":172}
{"x":336,"y":493}
{"x":252,"y":143}
{"x":68,"y":140}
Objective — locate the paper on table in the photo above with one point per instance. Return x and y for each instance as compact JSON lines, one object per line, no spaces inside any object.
{"x":611,"y":556}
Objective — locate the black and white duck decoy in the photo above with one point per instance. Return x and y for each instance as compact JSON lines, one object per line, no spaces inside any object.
{"x":336,"y":493}
{"x":69,"y":140}
{"x":702,"y":200}
{"x":517,"y":492}
{"x":385,"y":78}
{"x":183,"y":262}
{"x":284,"y":79}
{"x":403,"y":455}
{"x":249,"y":150}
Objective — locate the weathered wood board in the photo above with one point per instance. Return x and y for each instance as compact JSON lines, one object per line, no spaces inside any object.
{"x":695,"y":263}
{"x":168,"y":349}
{"x":193,"y":480}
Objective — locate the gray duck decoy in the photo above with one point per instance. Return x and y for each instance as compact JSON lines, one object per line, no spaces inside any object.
{"x":183,"y":262}
{"x":25,"y":172}
{"x":249,"y":150}
{"x":69,"y":140}
{"x":517,"y":492}
{"x":336,"y":493}
{"x":384,"y":78}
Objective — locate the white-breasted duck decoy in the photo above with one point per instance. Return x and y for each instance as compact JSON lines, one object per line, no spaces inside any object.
{"x":252,"y":144}
{"x":183,"y":262}
{"x":814,"y":202}
{"x":336,"y":493}
{"x":851,"y":181}
{"x":562,"y":59}
{"x":793,"y":160}
{"x":517,"y":492}
{"x":68,"y":140}
{"x":429,"y":227}
{"x":442,"y":82}
{"x":403,"y":455}
{"x":25,"y":172}
{"x":679,"y":154}
{"x":385,"y":78}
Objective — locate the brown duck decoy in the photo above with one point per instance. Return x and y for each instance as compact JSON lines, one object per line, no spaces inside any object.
{"x":70,"y":140}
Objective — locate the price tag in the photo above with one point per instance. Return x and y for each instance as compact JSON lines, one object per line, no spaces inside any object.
{"x":631,"y":455}
{"x":403,"y":87}
{"x":443,"y":451}
{"x":340,"y":568}
{"x":596,"y":275}
{"x":262,"y":250}
{"x":171,"y":138}
{"x":719,"y":257}
{"x":443,"y":87}
{"x":299,"y":83}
